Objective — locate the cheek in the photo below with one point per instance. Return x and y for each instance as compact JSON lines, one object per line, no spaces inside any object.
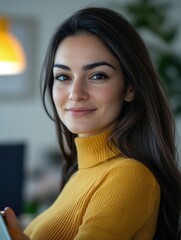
{"x":113,"y":97}
{"x":57,"y":95}
{"x":113,"y":102}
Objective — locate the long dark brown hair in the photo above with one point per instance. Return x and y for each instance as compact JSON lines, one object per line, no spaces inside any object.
{"x":145,"y":128}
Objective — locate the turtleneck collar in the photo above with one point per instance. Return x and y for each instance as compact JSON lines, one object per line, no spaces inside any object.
{"x":95,"y":149}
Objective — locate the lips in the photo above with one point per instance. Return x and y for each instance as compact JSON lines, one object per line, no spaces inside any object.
{"x":80,"y":111}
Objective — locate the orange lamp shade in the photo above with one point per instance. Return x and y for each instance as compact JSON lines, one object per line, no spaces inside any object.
{"x":12,"y":57}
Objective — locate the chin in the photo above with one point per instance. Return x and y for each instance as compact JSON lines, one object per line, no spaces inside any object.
{"x":82,"y":132}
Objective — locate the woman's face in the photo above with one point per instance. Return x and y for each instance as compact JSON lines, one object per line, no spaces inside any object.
{"x":88,"y":89}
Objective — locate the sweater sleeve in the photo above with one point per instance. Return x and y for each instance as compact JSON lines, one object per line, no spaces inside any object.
{"x":125,"y":202}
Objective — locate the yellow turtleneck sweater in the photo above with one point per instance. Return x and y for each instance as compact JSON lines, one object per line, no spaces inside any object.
{"x":108,"y":198}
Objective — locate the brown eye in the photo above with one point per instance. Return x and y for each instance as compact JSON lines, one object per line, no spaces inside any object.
{"x":99,"y":76}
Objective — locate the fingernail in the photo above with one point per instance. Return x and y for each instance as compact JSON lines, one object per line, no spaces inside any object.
{"x":5,"y":209}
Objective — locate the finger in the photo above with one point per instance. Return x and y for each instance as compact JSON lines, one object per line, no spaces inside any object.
{"x":11,"y":219}
{"x":13,"y":225}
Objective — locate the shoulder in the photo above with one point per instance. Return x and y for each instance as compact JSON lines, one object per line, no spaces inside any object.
{"x":130,"y":166}
{"x":132,"y":174}
{"x":131,"y":187}
{"x":129,"y":191}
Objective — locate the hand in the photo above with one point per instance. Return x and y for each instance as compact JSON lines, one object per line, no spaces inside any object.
{"x":13,"y":225}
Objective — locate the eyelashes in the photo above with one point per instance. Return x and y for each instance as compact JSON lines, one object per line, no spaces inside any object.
{"x":98,"y":76}
{"x":62,"y":77}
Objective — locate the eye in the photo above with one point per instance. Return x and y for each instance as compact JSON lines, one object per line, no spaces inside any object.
{"x":62,"y":77}
{"x":99,"y":76}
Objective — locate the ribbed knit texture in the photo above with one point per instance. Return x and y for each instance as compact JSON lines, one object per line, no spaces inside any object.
{"x":108,"y":198}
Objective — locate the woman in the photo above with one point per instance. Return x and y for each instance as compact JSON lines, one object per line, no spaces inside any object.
{"x":115,"y":131}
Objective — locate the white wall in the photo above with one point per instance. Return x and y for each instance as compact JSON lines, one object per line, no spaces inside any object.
{"x":24,"y":119}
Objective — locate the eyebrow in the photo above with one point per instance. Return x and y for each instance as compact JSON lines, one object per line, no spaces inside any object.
{"x":86,"y":67}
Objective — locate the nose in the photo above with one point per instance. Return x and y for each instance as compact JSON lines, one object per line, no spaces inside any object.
{"x":78,"y":90}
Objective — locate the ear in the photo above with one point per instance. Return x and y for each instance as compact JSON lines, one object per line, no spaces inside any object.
{"x":130,"y":94}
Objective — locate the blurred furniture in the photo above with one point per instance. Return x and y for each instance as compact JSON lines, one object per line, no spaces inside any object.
{"x":11,"y":176}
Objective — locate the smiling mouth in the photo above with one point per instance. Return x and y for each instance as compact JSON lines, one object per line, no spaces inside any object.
{"x":80,"y":111}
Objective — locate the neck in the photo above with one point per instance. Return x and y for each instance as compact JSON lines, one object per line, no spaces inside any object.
{"x":93,"y":150}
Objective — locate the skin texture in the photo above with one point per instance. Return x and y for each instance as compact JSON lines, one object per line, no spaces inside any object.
{"x":88,"y":89}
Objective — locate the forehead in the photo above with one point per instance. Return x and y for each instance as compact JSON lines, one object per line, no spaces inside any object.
{"x":83,"y":45}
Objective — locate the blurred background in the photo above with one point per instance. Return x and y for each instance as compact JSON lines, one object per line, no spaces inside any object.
{"x":31,"y":168}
